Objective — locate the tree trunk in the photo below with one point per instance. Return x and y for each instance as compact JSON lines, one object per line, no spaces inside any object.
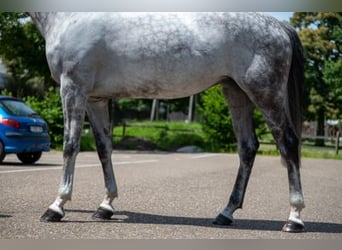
{"x":190,"y":110}
{"x":154,"y":110}
{"x":320,"y":128}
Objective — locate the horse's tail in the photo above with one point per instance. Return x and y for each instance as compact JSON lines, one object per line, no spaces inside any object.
{"x":294,"y":100}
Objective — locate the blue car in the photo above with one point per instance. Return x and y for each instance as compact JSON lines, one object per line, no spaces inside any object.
{"x":22,"y":131}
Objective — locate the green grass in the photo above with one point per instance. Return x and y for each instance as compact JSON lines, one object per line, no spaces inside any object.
{"x":308,"y":151}
{"x":320,"y":152}
{"x":169,"y":136}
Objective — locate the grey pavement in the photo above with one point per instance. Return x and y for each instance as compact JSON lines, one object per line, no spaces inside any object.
{"x":168,"y":196}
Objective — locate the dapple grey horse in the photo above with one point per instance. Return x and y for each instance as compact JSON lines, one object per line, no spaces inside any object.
{"x":98,"y":56}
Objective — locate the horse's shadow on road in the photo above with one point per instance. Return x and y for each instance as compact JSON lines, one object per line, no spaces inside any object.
{"x":241,"y":224}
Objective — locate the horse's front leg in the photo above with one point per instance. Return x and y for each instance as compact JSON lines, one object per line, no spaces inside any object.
{"x":97,"y":111}
{"x":73,"y":102}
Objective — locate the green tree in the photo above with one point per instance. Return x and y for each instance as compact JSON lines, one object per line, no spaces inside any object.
{"x":332,"y":72}
{"x":22,"y":50}
{"x":321,"y":36}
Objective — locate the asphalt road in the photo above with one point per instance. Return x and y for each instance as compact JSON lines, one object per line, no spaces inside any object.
{"x":168,"y":195}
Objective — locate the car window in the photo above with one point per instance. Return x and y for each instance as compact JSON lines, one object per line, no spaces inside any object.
{"x":13,"y":107}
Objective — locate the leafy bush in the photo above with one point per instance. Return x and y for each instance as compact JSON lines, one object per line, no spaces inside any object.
{"x":50,"y":108}
{"x":217,"y":124}
{"x":87,"y":141}
{"x":216,"y":120}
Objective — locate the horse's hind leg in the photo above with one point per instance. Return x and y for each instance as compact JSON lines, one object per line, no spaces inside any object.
{"x":241,"y":109}
{"x":288,"y":145}
{"x":267,"y":91}
{"x":73,"y":102}
{"x":97,"y":111}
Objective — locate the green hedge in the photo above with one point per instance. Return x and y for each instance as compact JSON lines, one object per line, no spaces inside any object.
{"x":50,"y":108}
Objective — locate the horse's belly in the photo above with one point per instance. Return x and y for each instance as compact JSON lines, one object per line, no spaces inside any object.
{"x":161,"y":80}
{"x":152,"y":88}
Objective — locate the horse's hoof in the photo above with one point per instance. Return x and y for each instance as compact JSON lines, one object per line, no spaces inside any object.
{"x":51,"y":216}
{"x":102,"y":214}
{"x":293,"y":227}
{"x":222,"y":220}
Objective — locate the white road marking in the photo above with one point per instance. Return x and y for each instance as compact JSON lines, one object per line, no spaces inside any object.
{"x":77,"y":166}
{"x":198,"y":156}
{"x":204,"y":156}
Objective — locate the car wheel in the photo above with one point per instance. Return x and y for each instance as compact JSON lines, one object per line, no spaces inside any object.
{"x":29,"y":158}
{"x":2,"y":151}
